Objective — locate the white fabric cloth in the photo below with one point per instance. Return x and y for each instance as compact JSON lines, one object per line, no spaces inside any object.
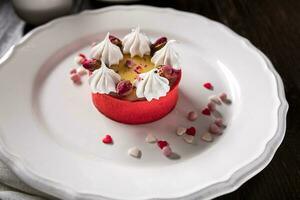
{"x":11,"y":187}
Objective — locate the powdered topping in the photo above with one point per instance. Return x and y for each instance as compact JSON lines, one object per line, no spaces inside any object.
{"x":151,"y":85}
{"x":106,"y":51}
{"x":136,"y":43}
{"x":166,"y":56}
{"x":104,"y":80}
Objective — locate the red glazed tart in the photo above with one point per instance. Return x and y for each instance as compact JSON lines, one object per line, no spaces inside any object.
{"x":133,"y":81}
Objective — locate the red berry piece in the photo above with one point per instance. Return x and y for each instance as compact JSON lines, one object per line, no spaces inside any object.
{"x":162,"y":144}
{"x":107,"y":139}
{"x":191,"y":131}
{"x":138,"y":69}
{"x":206,"y":111}
{"x":208,"y":86}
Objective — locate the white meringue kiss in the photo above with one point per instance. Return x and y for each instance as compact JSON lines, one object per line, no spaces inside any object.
{"x":136,"y":43}
{"x":166,"y":56}
{"x":107,"y":52}
{"x":151,"y":85}
{"x":104,"y":80}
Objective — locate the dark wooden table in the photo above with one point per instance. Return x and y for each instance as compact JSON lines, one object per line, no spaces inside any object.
{"x":274,"y":27}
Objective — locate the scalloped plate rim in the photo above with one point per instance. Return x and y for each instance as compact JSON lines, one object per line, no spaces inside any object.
{"x":237,"y":178}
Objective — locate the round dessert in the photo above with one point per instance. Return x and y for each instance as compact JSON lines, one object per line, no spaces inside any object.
{"x":132,"y":80}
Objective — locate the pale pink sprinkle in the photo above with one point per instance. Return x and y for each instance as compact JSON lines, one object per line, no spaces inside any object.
{"x":167,"y":151}
{"x":219,"y":122}
{"x":224,"y":98}
{"x":81,"y":71}
{"x":73,"y":71}
{"x":192,"y":116}
{"x":211,"y":106}
{"x":214,"y":129}
{"x":79,"y":59}
{"x":76,"y":79}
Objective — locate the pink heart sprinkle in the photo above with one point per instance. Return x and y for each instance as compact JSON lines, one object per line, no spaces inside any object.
{"x":206,"y":111}
{"x":107,"y":139}
{"x":208,"y":86}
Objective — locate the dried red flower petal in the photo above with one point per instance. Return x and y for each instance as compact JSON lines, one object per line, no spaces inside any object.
{"x":91,"y":64}
{"x":168,"y":72}
{"x":138,"y":69}
{"x":115,"y":40}
{"x":158,"y":44}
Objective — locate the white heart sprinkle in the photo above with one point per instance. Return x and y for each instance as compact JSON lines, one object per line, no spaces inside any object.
{"x":188,"y":138}
{"x":215,"y":99}
{"x":150,"y":138}
{"x":180,"y":131}
{"x":207,"y":137}
{"x":135,"y":152}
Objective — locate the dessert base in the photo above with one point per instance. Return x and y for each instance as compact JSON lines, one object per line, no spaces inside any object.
{"x":136,"y":112}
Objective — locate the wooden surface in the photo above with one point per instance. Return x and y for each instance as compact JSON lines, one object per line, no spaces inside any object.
{"x":274,"y":27}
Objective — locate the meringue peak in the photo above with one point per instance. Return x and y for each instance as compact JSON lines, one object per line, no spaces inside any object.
{"x":166,"y":56}
{"x":106,"y":51}
{"x":151,"y":85}
{"x":136,"y":43}
{"x":104,"y":80}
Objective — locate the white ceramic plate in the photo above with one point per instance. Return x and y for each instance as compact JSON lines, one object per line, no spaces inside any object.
{"x":51,"y":133}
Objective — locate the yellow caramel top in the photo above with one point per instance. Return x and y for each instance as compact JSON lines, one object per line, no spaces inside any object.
{"x":129,"y":68}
